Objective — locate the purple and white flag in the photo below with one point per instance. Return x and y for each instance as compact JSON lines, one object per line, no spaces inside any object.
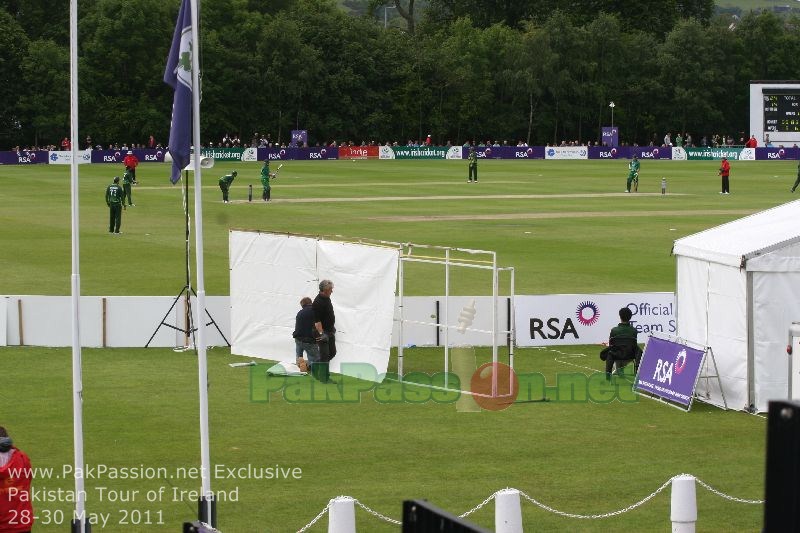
{"x":178,"y":75}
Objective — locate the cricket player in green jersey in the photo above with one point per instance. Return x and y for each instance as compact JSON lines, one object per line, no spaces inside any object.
{"x":266,"y":175}
{"x":633,"y":175}
{"x":473,"y":166}
{"x":127,"y":180}
{"x":225,"y":184}
{"x":115,"y":196}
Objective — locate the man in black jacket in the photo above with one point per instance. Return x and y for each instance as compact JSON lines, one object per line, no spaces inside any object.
{"x":324,"y":323}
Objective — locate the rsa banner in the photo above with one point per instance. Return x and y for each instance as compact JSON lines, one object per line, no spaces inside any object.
{"x":669,"y":370}
{"x":558,"y":319}
{"x":23,"y":157}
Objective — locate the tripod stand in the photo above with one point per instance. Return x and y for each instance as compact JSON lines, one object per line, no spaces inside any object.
{"x":188,"y":329}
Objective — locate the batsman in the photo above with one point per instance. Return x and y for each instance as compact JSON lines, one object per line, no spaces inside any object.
{"x":633,"y":175}
{"x":266,"y":175}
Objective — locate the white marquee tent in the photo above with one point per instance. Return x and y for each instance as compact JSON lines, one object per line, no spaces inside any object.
{"x":737,"y":292}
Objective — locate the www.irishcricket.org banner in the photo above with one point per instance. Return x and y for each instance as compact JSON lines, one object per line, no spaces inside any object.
{"x":669,"y":370}
{"x":418,"y":152}
{"x":712,"y":154}
{"x":230,"y":154}
{"x":558,"y":319}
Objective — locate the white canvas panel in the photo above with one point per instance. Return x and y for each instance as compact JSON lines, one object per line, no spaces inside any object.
{"x":785,"y":259}
{"x":745,"y":237}
{"x":3,"y":321}
{"x":691,"y":300}
{"x":47,"y":321}
{"x":776,"y":304}
{"x":365,"y":279}
{"x":270,"y":273}
{"x":727,"y":330}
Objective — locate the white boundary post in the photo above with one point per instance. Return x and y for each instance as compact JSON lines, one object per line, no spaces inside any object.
{"x":507,"y":512}
{"x":342,"y":515}
{"x":683,"y":511}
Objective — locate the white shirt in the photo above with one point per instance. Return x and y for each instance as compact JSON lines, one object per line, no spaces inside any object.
{"x":5,"y":457}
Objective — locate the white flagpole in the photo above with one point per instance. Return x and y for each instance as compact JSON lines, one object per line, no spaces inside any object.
{"x":202,"y":358}
{"x":77,"y":382}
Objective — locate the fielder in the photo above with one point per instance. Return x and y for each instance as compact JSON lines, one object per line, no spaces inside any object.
{"x":225,"y":184}
{"x":633,"y":175}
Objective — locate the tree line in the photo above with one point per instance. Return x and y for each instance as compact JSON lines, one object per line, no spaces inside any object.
{"x":460,"y":70}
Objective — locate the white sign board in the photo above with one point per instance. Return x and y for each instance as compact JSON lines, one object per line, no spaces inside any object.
{"x":558,"y":319}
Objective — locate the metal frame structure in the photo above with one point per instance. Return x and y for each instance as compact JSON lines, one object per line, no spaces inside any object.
{"x":445,"y":258}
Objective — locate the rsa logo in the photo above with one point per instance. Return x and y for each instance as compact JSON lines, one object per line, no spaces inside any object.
{"x":109,"y":159}
{"x":314,"y":155}
{"x":552,"y":329}
{"x":150,"y":157}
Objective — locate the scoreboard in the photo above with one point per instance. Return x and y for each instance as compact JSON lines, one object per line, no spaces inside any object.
{"x":781,"y":110}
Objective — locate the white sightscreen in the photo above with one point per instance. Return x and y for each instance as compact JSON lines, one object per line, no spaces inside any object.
{"x":270,"y":273}
{"x":776,"y":304}
{"x":712,"y":311}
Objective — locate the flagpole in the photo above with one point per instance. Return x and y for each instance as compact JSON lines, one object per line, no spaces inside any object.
{"x":206,"y":502}
{"x":79,"y":518}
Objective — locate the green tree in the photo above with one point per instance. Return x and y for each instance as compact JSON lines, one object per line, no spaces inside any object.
{"x":14,"y":44}
{"x":693,"y":70}
{"x":124,"y":49}
{"x":45,"y":102}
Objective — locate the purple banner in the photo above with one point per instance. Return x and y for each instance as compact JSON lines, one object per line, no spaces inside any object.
{"x":772,"y":154}
{"x":610,"y":136}
{"x":506,"y":152}
{"x":316,"y":153}
{"x":604,"y":152}
{"x":23,"y":157}
{"x":669,"y":370}
{"x":299,"y":138}
{"x":117,"y":156}
{"x":651,"y":152}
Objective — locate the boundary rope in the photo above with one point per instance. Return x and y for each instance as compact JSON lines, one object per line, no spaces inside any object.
{"x":545,"y":506}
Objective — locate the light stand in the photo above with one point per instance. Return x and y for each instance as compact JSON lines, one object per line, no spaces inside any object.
{"x":187,"y":290}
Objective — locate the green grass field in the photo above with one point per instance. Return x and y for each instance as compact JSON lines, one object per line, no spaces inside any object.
{"x":565,"y":226}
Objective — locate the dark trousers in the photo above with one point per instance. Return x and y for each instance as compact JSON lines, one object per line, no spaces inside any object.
{"x":115,"y":218}
{"x":622,"y":363}
{"x":224,"y":189}
{"x":796,"y":182}
{"x":265,"y":195}
{"x":473,"y":173}
{"x":327,"y":351}
{"x":128,"y":195}
{"x":726,"y":184}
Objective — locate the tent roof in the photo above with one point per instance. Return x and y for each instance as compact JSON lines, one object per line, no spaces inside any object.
{"x":738,"y":241}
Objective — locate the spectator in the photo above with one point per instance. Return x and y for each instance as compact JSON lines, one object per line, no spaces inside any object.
{"x":16,"y":510}
{"x":622,"y":345}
